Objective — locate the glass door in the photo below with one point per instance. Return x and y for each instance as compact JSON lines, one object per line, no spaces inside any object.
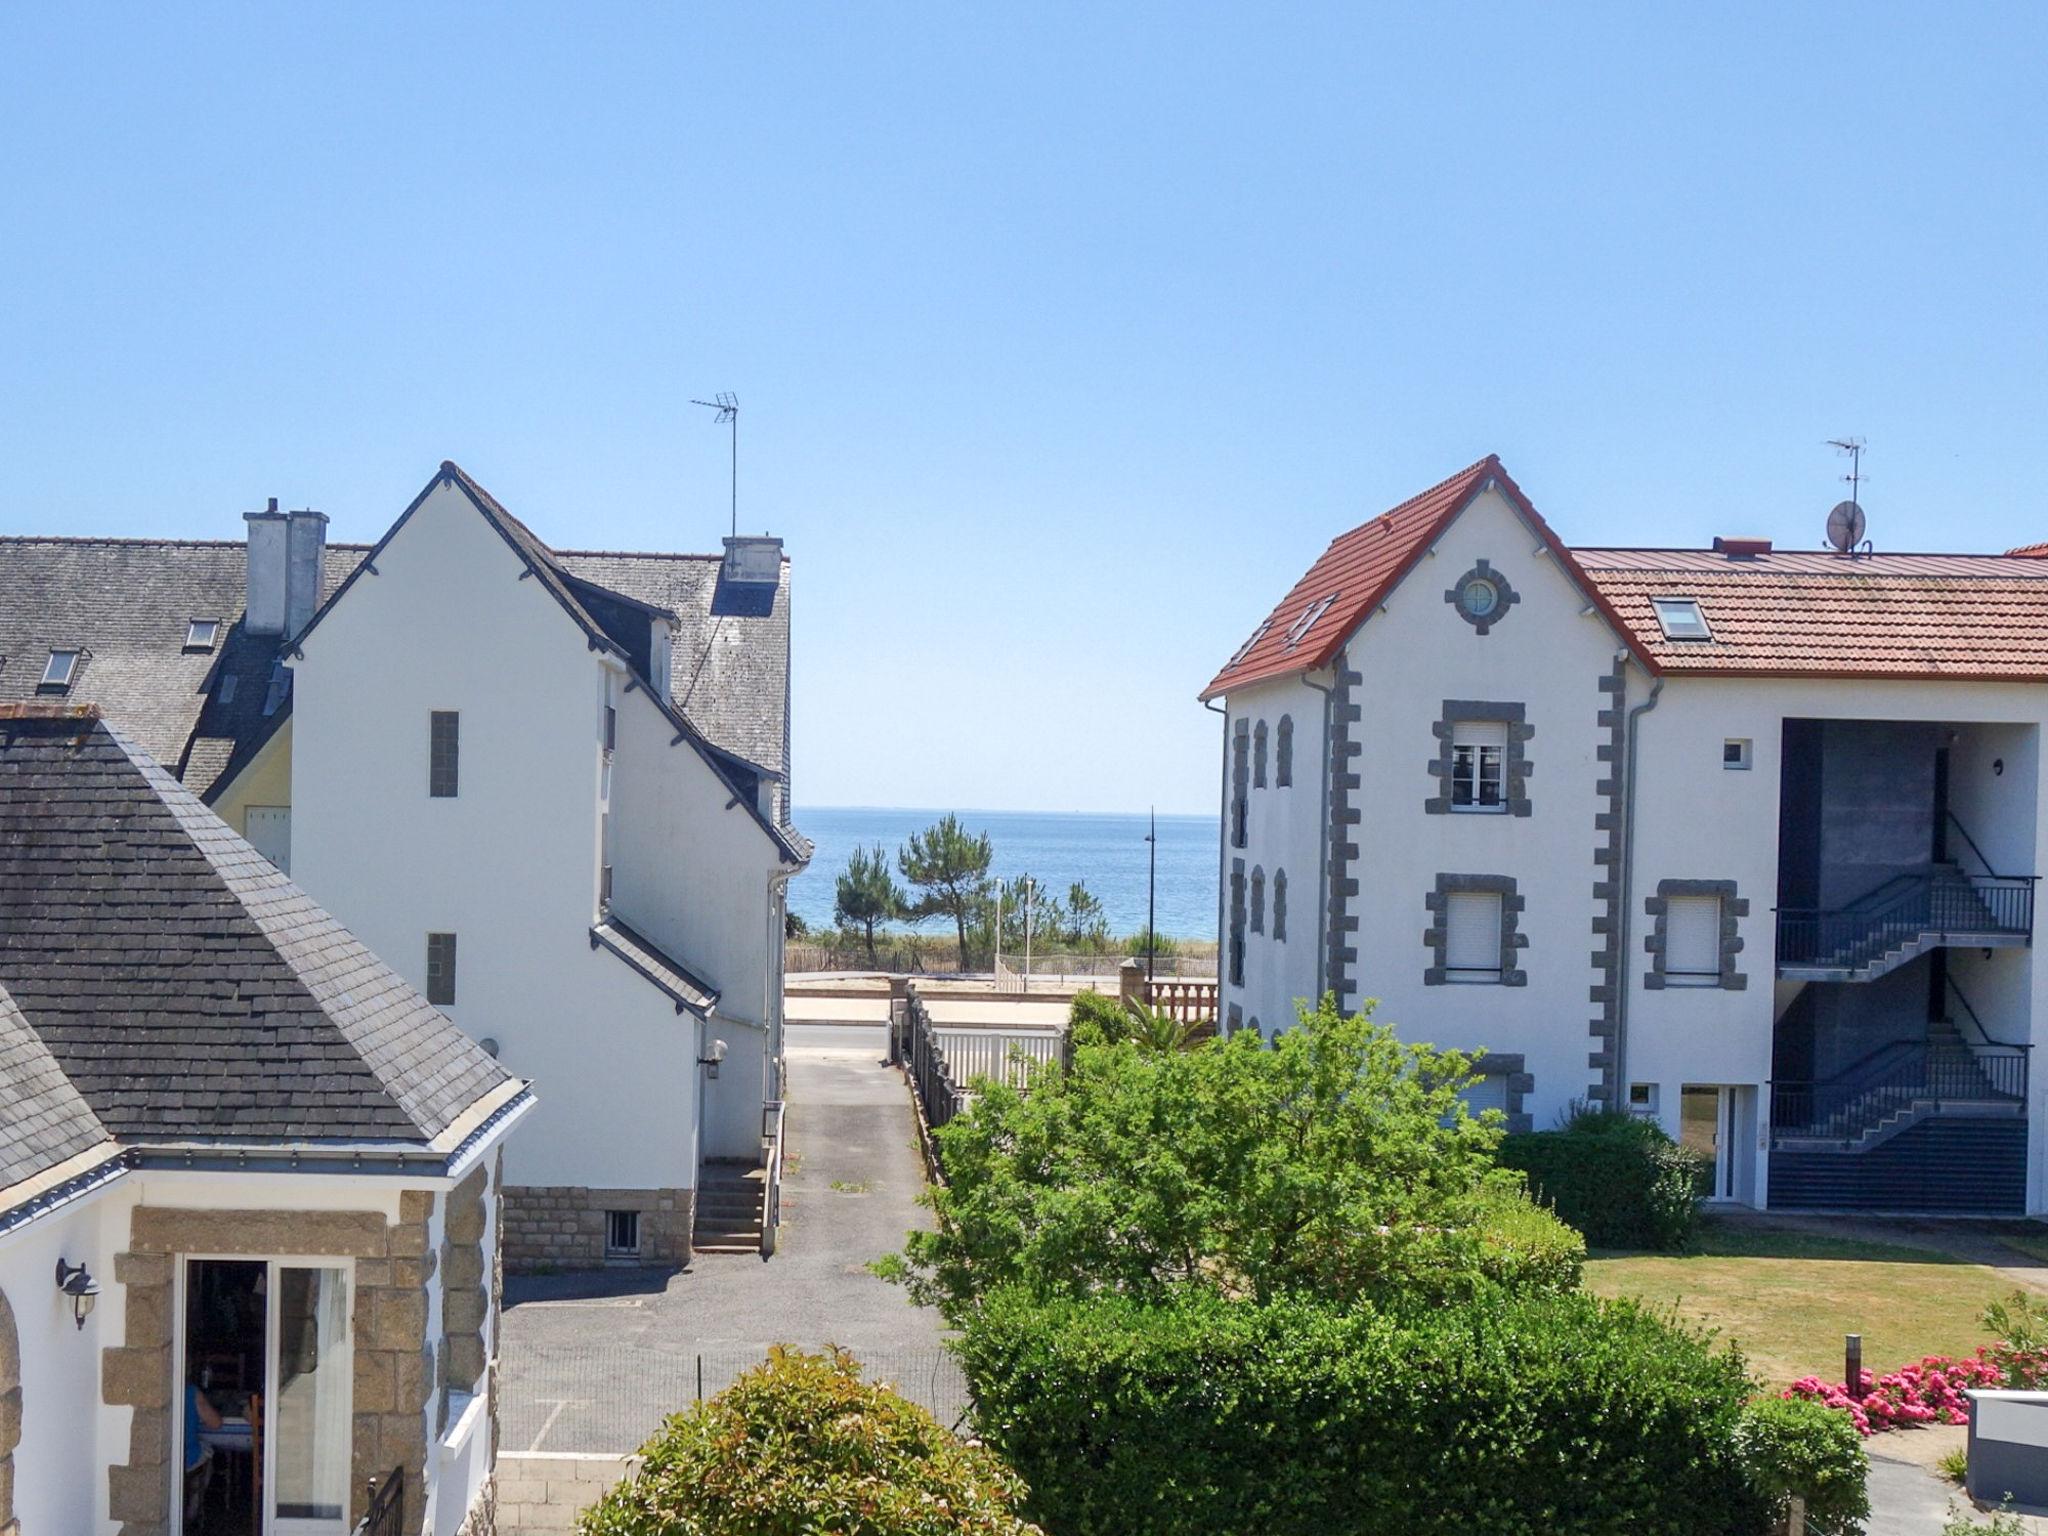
{"x":1706,"y":1125}
{"x":309,"y":1425}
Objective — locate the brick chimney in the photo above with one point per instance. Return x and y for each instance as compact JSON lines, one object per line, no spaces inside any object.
{"x":264,"y":602}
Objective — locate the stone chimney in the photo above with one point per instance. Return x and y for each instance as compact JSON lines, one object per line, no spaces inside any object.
{"x":305,"y":558}
{"x":264,"y":603}
{"x":753,"y":559}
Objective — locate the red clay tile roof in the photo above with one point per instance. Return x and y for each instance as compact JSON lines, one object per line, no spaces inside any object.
{"x":1361,"y":567}
{"x":1813,"y":614}
{"x":2030,"y":552}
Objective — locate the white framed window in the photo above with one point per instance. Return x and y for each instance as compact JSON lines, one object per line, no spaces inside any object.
{"x":60,"y":669}
{"x":200,"y":634}
{"x":1680,"y":618}
{"x":1642,"y":1098}
{"x":1692,"y":938}
{"x":1472,"y":936}
{"x":1735,"y":752}
{"x":1479,"y":750}
{"x":622,"y":1234}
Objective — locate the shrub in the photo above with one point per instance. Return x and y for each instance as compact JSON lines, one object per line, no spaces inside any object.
{"x":1299,"y":1418}
{"x":1930,"y":1392}
{"x":1526,"y":1248}
{"x":802,"y":1444}
{"x":1792,"y":1448}
{"x":1620,"y":1180}
{"x":1096,"y":1018}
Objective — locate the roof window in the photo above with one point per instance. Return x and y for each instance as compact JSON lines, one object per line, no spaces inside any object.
{"x":1246,"y":649}
{"x":1681,"y":619}
{"x":1307,"y":621}
{"x":201,"y":633}
{"x":61,"y":668}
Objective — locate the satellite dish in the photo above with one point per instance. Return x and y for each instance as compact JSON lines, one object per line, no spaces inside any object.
{"x":1845,"y":526}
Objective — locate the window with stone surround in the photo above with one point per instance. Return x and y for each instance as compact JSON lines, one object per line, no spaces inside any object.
{"x":1695,"y":938}
{"x":1283,"y":753}
{"x":1259,"y":755}
{"x":1258,"y":900}
{"x":1474,"y":934}
{"x":1482,"y":760}
{"x":1280,"y":906}
{"x":1240,"y":773}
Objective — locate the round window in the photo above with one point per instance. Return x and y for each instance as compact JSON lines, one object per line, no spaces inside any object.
{"x":1478,"y":598}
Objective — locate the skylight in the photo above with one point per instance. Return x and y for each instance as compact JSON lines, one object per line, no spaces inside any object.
{"x":1306,"y":622}
{"x":1681,"y":618}
{"x":62,"y":667}
{"x":200,"y":634}
{"x":1246,"y":649}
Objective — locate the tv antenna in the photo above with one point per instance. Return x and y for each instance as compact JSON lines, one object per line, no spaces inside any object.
{"x":1845,"y":520}
{"x":727,"y":404}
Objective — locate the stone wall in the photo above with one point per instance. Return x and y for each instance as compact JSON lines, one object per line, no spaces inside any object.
{"x":561,"y":1226}
{"x":394,"y":1365}
{"x":541,"y":1492}
{"x":10,"y":1414}
{"x":464,"y":1299}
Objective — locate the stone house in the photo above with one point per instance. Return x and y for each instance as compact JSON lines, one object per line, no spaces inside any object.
{"x":1740,"y":839}
{"x":550,"y":788}
{"x":249,"y":1180}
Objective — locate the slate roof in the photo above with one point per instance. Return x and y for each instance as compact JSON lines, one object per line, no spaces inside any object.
{"x":43,"y":1120}
{"x":1361,"y":567}
{"x":666,"y":972}
{"x":186,"y":989}
{"x":127,"y":603}
{"x":1817,"y":614}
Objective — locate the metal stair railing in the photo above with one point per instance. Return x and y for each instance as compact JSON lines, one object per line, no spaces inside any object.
{"x":1936,"y":907}
{"x":1895,"y":1080}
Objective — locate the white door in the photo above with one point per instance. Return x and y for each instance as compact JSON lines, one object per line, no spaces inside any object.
{"x":269,"y":831}
{"x":309,"y":1425}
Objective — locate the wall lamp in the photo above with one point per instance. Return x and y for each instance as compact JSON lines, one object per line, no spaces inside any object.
{"x":710,"y":1063}
{"x":74,"y":1281}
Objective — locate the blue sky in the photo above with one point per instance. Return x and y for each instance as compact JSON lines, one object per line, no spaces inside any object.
{"x":1065,"y":336}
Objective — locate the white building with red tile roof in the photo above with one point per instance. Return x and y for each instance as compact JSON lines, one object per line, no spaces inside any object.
{"x":1741,"y":839}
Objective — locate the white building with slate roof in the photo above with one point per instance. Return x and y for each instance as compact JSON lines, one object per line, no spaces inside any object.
{"x":249,"y":1180}
{"x":550,"y":788}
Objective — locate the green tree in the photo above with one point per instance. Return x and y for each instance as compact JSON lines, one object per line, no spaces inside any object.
{"x":1338,"y":1161}
{"x":867,"y":894}
{"x":1087,"y":926}
{"x":949,"y":866}
{"x":802,"y":1444}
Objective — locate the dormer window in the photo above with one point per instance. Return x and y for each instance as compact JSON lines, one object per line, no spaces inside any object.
{"x":200,"y":634}
{"x":1681,"y":619}
{"x":1315,"y":610}
{"x":60,"y":670}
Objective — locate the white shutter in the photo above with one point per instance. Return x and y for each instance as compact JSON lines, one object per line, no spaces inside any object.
{"x":1692,"y":936}
{"x":1479,"y":733}
{"x":1484,"y":1094}
{"x":1472,"y":935}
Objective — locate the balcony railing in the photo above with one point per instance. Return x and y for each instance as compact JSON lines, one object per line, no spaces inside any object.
{"x":1905,"y":915}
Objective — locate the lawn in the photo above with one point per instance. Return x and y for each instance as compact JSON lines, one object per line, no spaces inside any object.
{"x":1787,"y":1297}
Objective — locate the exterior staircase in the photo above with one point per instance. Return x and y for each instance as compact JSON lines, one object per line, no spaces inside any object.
{"x":732,"y":1202}
{"x":1903,"y":919}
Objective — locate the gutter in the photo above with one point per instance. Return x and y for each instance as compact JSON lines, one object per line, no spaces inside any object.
{"x":1624,"y":927}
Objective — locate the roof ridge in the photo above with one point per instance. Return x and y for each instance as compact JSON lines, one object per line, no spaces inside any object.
{"x":1491,"y":460}
{"x":149,"y":541}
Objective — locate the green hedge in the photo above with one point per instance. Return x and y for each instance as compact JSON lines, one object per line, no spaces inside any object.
{"x":1525,"y":1248}
{"x":1619,"y":1180}
{"x":1513,"y":1417}
{"x":1096,"y":1018}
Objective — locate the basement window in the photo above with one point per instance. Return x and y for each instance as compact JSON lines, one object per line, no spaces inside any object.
{"x":1681,"y":619}
{"x":200,"y":634}
{"x":622,"y":1234}
{"x":61,"y":669}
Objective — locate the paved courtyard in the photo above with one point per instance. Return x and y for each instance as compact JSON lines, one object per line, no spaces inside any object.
{"x":592,"y":1362}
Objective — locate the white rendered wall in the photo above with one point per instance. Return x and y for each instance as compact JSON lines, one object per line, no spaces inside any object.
{"x":1544,"y":654}
{"x":1284,"y":830}
{"x":509,"y":865}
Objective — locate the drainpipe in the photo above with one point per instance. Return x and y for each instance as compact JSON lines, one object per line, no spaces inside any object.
{"x":1222,"y":847}
{"x":1627,"y":878}
{"x":1323,"y":832}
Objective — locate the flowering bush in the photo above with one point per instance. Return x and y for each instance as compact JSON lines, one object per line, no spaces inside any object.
{"x":1928,"y":1393}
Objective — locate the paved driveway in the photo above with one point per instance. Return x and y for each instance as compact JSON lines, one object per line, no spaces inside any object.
{"x":592,"y":1362}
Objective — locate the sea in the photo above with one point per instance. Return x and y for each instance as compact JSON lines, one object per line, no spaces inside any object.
{"x":1106,"y":852}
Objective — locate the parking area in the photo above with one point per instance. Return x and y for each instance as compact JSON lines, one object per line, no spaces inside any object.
{"x":592,"y":1362}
